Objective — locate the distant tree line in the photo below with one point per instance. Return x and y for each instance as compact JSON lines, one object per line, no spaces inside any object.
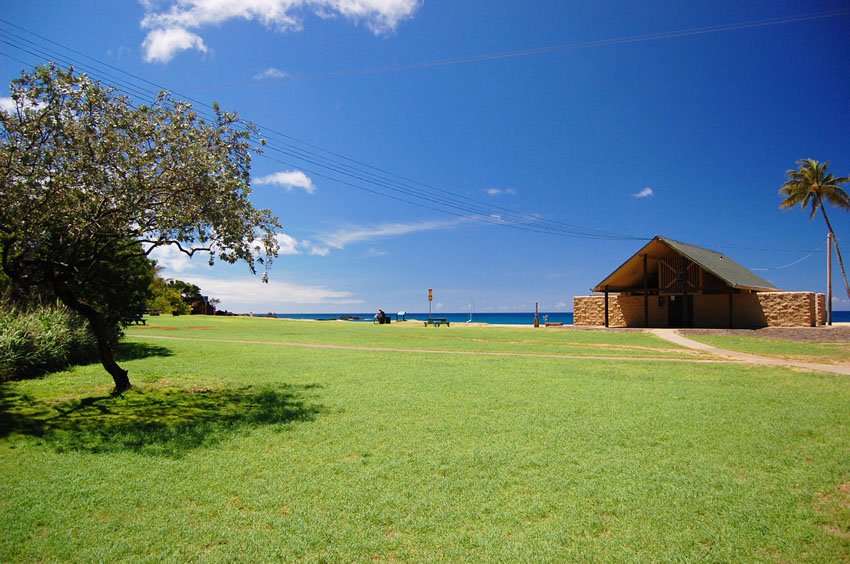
{"x":179,"y":298}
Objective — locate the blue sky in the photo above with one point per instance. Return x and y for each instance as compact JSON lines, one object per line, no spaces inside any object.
{"x":614,"y":118}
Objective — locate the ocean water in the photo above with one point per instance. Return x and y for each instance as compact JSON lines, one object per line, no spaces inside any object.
{"x":493,"y":318}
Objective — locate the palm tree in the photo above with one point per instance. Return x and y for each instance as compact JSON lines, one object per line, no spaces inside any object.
{"x":811,"y":185}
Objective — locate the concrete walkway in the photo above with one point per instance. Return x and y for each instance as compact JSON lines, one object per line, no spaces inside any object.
{"x":674,"y":336}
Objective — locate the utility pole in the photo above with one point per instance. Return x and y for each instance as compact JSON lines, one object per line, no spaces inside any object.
{"x":829,"y":278}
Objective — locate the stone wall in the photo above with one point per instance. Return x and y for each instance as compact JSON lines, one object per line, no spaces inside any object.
{"x":789,"y":309}
{"x":766,"y":309}
{"x":590,"y":311}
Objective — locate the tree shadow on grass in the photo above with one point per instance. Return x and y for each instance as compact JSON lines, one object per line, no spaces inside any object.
{"x":154,"y":421}
{"x":135,"y":351}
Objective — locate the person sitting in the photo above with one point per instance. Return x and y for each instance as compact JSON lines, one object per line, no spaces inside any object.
{"x":381,"y":317}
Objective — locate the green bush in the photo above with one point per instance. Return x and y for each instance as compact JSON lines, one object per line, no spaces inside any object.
{"x":42,"y":340}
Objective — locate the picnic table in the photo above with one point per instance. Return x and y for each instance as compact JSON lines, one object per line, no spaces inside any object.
{"x":437,"y":321}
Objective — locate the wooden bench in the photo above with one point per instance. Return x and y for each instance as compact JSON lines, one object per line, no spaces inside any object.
{"x":134,"y":319}
{"x":382,"y":320}
{"x":437,"y":321}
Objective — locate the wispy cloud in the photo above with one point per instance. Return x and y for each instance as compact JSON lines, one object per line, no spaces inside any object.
{"x":289,"y":245}
{"x":250,"y":294}
{"x":271,"y":73}
{"x":645,"y":193}
{"x":500,"y":191}
{"x":170,"y":21}
{"x":289,"y":179}
{"x":340,"y":238}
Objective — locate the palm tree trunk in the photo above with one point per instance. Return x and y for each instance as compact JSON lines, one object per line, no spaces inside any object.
{"x":837,"y":251}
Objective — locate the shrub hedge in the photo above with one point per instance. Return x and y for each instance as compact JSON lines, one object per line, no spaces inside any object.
{"x":45,"y":339}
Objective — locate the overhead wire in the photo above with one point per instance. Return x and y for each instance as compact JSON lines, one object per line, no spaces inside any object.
{"x":482,"y":57}
{"x":403,"y":189}
{"x":789,"y":265}
{"x":445,"y":202}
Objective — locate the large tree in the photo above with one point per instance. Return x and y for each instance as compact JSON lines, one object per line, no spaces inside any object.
{"x":91,"y":184}
{"x":813,"y":186}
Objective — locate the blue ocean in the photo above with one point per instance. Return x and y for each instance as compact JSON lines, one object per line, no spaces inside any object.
{"x":493,"y":318}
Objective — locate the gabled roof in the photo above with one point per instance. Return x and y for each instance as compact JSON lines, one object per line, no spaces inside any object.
{"x":630,"y":274}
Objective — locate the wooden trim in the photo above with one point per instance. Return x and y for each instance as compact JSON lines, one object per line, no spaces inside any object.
{"x":731,"y":310}
{"x":645,"y":290}
{"x":606,"y":306}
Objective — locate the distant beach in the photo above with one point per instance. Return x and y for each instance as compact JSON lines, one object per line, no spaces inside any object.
{"x":523,"y":318}
{"x":490,"y":318}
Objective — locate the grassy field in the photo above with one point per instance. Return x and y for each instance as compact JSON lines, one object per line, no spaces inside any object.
{"x":779,"y":348}
{"x":413,"y":335}
{"x":254,"y":450}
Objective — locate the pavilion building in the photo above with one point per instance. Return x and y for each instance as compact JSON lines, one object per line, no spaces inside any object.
{"x":668,"y":283}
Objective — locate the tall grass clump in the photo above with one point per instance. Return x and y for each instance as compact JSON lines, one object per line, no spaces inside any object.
{"x":41,"y":340}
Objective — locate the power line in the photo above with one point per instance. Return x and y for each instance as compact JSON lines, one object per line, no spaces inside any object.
{"x":384,"y":183}
{"x":405,"y":189}
{"x":574,"y":46}
{"x":789,"y":265}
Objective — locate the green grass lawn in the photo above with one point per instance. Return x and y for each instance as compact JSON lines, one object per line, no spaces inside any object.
{"x":807,"y":352}
{"x":240,"y":451}
{"x":413,"y":335}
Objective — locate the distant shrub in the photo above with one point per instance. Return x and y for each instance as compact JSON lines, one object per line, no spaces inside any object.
{"x":45,"y":339}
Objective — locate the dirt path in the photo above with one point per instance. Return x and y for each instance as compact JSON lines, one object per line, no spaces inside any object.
{"x":670,"y":335}
{"x":673,"y":336}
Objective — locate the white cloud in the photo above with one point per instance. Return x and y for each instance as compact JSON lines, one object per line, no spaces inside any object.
{"x":289,"y":179}
{"x":645,"y":193}
{"x":8,"y":104}
{"x":173,"y":259}
{"x":162,"y":44}
{"x":246,"y":294}
{"x":271,"y":73}
{"x":381,"y":16}
{"x":342,"y":237}
{"x":500,"y":191}
{"x":287,"y":244}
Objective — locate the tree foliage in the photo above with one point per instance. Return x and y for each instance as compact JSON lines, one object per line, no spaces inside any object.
{"x":166,"y":298}
{"x":813,"y":186}
{"x":91,"y":184}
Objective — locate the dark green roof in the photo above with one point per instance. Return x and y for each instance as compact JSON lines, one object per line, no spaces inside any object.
{"x":629,"y":274}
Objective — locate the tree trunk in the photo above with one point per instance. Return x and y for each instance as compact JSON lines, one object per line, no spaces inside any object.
{"x":103,"y":333}
{"x":837,"y":251}
{"x":105,"y":337}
